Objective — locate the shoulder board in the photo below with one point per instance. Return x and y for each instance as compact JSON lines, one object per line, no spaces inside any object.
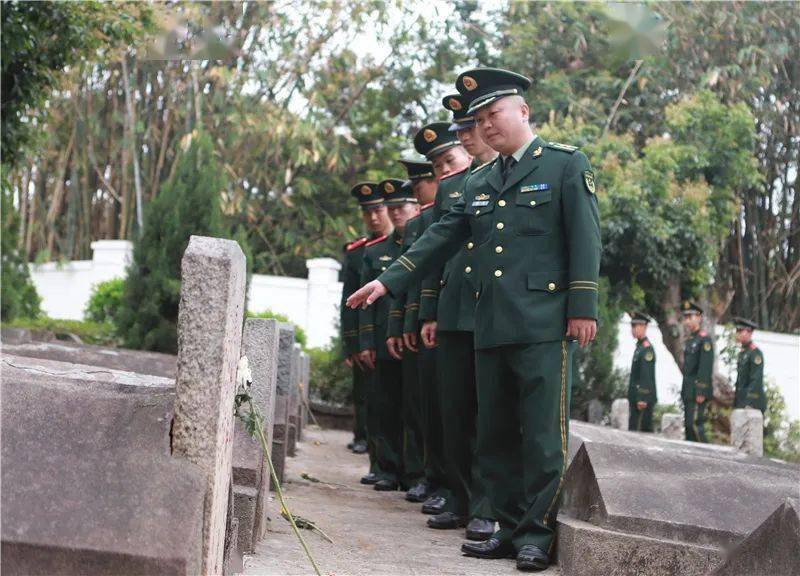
{"x":377,"y":240}
{"x":454,"y":174}
{"x":356,"y":244}
{"x":702,"y":333}
{"x":428,"y":205}
{"x":563,"y":147}
{"x":646,"y":343}
{"x":484,"y":165}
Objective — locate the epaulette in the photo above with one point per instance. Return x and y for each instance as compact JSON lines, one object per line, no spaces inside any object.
{"x":377,"y":240}
{"x":484,"y":165}
{"x":646,"y":343}
{"x":428,"y":205}
{"x":454,"y":174}
{"x":356,"y":244}
{"x":702,"y":333}
{"x":563,"y":147}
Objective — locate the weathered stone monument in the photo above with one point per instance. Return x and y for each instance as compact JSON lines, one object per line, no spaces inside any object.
{"x":747,"y":431}
{"x":620,"y":413}
{"x":672,"y":426}
{"x":280,"y":430}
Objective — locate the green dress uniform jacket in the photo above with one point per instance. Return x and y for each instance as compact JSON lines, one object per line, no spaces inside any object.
{"x":750,"y":379}
{"x":698,"y":367}
{"x":352,"y":259}
{"x":373,"y":321}
{"x":642,"y":386}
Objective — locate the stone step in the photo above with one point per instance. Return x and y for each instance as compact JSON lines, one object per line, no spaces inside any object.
{"x":244,"y":508}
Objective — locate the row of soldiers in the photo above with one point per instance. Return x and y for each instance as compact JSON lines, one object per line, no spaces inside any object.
{"x":698,"y":365}
{"x":488,"y":255}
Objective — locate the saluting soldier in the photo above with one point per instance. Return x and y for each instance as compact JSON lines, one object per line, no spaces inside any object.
{"x":698,"y":367}
{"x":642,"y":394}
{"x":533,"y":218}
{"x":750,"y":369}
{"x":365,"y":399}
{"x":378,"y":255}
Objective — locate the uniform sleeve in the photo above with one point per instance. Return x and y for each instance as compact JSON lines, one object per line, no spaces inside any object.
{"x":429,"y":296}
{"x":647,"y":377}
{"x":412,"y":308}
{"x":366,"y":317}
{"x":703,"y":384}
{"x":396,"y":311}
{"x":755,"y":383}
{"x":633,"y":381}
{"x":582,"y":225}
{"x":431,"y":250}
{"x":348,"y":318}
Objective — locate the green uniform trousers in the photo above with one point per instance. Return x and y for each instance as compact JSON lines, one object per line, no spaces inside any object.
{"x":359,"y":404}
{"x":413,"y":449}
{"x":640,"y":420}
{"x":459,"y":407}
{"x":694,"y":419}
{"x":372,"y":408}
{"x":389,"y":441}
{"x":523,"y":430}
{"x":432,"y":421}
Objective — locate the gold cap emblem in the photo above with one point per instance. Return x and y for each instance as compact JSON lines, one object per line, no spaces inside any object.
{"x":428,"y":135}
{"x":686,"y":305}
{"x":454,"y":104}
{"x":366,"y":190}
{"x":469,"y":83}
{"x":388,"y":188}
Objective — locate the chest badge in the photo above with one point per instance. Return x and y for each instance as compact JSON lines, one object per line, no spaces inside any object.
{"x":481,"y":197}
{"x":534,"y":188}
{"x":385,"y":258}
{"x":455,"y":194}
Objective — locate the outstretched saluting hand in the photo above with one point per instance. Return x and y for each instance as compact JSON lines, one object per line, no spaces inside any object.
{"x":366,"y":295}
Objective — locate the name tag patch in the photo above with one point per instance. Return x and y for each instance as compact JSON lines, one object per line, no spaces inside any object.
{"x":535,"y":188}
{"x":481,"y":203}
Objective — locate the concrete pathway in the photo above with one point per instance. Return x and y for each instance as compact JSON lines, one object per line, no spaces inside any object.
{"x":374,"y":533}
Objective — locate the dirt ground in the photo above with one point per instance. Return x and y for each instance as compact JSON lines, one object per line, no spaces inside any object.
{"x":374,"y":533}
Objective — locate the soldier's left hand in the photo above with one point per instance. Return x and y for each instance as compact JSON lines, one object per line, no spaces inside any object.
{"x":641,"y":405}
{"x":582,"y":329}
{"x":700,"y":399}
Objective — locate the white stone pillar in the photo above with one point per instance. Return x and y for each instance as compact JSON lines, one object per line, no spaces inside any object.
{"x":321,"y":308}
{"x":620,"y":413}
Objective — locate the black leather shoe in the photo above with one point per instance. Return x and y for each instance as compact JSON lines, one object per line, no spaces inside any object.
{"x":418,"y":492}
{"x":385,"y":486}
{"x":480,"y":529}
{"x":447,"y":521}
{"x":370,"y":478}
{"x":530,"y":558}
{"x":434,"y":505}
{"x":492,"y":549}
{"x":359,"y":447}
{"x":350,"y":445}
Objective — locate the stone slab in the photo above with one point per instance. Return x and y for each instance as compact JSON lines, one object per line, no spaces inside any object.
{"x":142,"y":362}
{"x":747,"y":431}
{"x":210,"y":317}
{"x":280,"y":436}
{"x":89,"y":485}
{"x":620,"y":413}
{"x":245,"y":507}
{"x":672,"y":426}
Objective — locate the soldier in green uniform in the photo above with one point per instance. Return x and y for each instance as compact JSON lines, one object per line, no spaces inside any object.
{"x":533,"y":218}
{"x":376,"y":221}
{"x":450,"y":326}
{"x":642,"y":395}
{"x":750,"y":369}
{"x":698,"y":367}
{"x":378,"y":255}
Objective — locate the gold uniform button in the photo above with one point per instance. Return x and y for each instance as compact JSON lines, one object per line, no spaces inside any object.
{"x":500,"y":225}
{"x":533,"y":202}
{"x":498,"y":249}
{"x":498,"y":273}
{"x":477,"y":212}
{"x":470,"y":245}
{"x":468,"y":269}
{"x":441,"y":282}
{"x":551,"y":286}
{"x":383,"y":267}
{"x":501,"y":203}
{"x":477,"y":295}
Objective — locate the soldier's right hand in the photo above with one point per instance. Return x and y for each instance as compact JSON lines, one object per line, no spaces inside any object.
{"x":367,"y":358}
{"x":394,"y":345}
{"x":367,"y":294}
{"x":428,"y":334}
{"x":348,"y":362}
{"x":641,"y":405}
{"x":410,"y":339}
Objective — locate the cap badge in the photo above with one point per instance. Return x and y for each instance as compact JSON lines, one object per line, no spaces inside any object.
{"x":366,"y":190}
{"x":469,"y":83}
{"x":429,"y":135}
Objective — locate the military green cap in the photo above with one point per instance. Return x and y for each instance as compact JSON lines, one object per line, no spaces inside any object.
{"x":394,"y":193}
{"x":434,"y":139}
{"x":690,"y":307}
{"x":744,"y":323}
{"x":368,"y":195}
{"x":485,"y":85}
{"x":640,"y":318}
{"x":418,"y":169}
{"x":458,"y":104}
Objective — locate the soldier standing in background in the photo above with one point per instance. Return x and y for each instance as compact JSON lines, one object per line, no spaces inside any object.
{"x":642,"y":394}
{"x":698,"y":368}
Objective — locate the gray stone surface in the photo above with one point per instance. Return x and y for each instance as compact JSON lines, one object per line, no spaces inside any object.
{"x":89,"y":486}
{"x":285,"y":347}
{"x":771,"y":549}
{"x":295,"y":428}
{"x":306,"y":366}
{"x":245,"y":499}
{"x":142,"y":362}
{"x":672,"y":426}
{"x":209,"y":346}
{"x":280,"y":436}
{"x":747,"y":431}
{"x":620,"y":413}
{"x":594,"y":411}
{"x":260,"y":345}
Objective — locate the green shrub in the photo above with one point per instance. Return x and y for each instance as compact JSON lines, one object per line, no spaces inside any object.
{"x":99,"y":333}
{"x":781,"y":433}
{"x":331,"y":379}
{"x":105,"y":301}
{"x":299,"y":334}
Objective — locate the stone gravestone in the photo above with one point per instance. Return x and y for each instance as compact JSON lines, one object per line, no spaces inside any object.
{"x":620,"y":413}
{"x":250,"y":467}
{"x":294,"y":401}
{"x":306,"y":389}
{"x":672,"y":426}
{"x":209,"y":343}
{"x":280,"y":430}
{"x":594,"y":411}
{"x":747,"y":431}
